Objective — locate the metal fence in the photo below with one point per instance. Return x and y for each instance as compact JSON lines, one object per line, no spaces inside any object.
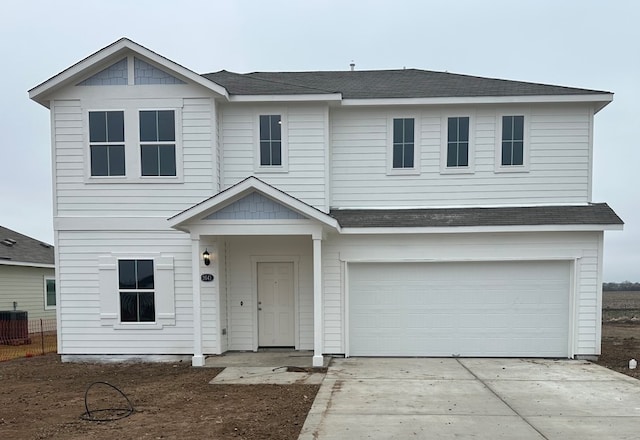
{"x":27,"y":338}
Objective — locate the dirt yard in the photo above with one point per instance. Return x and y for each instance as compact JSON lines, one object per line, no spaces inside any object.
{"x":41,"y":398}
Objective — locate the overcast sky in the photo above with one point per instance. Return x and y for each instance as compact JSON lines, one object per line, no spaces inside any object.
{"x":579,"y":43}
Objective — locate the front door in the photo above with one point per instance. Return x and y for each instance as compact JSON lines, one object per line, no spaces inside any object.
{"x":275,"y":305}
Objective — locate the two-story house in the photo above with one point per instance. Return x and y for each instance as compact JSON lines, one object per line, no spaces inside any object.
{"x":357,"y":213}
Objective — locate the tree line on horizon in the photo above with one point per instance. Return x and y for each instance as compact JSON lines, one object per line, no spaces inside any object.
{"x":623,"y":286}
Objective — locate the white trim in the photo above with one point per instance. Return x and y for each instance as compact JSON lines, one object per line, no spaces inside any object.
{"x":284,"y":141}
{"x":45,"y":279}
{"x":104,"y":56}
{"x":590,"y":152}
{"x":444,"y":139}
{"x":295,"y":260}
{"x":313,"y":97}
{"x":198,"y":359}
{"x":603,"y":98}
{"x":526,"y":148}
{"x":417,"y":129}
{"x":573,"y":308}
{"x":318,"y":324}
{"x":327,"y":160}
{"x":480,"y":229}
{"x":599,"y":280}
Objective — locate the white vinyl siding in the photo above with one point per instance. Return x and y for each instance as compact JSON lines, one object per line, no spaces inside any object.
{"x":559,"y":149}
{"x":81,"y":293}
{"x":77,"y":197}
{"x":25,"y":286}
{"x":583,"y":248}
{"x":304,"y":132}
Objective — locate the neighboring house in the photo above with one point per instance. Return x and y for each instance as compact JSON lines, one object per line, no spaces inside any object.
{"x":357,"y":213}
{"x":27,"y":275}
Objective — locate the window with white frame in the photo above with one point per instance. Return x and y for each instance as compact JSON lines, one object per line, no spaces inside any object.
{"x":458,"y":142}
{"x":136,"y":288}
{"x":403,"y":143}
{"x":49,"y":292}
{"x":157,"y":143}
{"x":270,"y":127}
{"x":106,"y":143}
{"x":512,"y":148}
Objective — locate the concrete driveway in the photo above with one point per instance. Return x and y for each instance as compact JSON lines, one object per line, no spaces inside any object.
{"x":382,"y":398}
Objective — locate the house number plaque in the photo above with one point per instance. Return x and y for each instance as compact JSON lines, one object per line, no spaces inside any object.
{"x":206,"y":277}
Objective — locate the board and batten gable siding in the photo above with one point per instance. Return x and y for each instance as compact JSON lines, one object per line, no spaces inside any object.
{"x":81,"y":329}
{"x":76,"y":194}
{"x":306,"y":140}
{"x":25,"y":286}
{"x":583,"y":247}
{"x":559,"y":152}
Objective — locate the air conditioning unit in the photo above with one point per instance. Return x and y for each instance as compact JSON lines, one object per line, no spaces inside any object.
{"x":14,"y":327}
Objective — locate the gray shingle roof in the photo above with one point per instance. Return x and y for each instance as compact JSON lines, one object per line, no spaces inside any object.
{"x":19,"y":248}
{"x":593,"y":214}
{"x":379,"y":84}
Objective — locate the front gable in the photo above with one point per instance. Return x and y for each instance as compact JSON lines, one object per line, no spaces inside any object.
{"x":118,"y":74}
{"x":255,"y":206}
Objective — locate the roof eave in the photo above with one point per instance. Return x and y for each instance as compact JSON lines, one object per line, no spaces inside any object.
{"x":600,"y":99}
{"x":41,"y":92}
{"x":307,"y":97}
{"x":479,"y":229}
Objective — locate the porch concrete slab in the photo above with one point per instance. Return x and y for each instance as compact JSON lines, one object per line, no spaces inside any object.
{"x":263,"y":358}
{"x":473,"y":398}
{"x":539,"y":369}
{"x":398,"y":368}
{"x":262,"y":375}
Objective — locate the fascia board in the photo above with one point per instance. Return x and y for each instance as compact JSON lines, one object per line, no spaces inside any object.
{"x":311,"y":97}
{"x":121,"y":46}
{"x":480,"y":229}
{"x":602,"y":98}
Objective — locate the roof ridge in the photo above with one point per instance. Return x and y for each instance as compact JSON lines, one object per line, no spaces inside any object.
{"x":287,"y":83}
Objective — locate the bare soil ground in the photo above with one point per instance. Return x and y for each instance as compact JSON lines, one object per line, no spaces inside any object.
{"x":42,"y":398}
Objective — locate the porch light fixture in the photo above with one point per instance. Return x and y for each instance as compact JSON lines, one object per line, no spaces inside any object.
{"x":206,"y":257}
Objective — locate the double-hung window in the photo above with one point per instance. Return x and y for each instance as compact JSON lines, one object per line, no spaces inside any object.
{"x":106,"y":143}
{"x":403,"y":143}
{"x":158,"y":143}
{"x":458,"y":142}
{"x":270,"y":140}
{"x":137,"y":290}
{"x":512,"y":141}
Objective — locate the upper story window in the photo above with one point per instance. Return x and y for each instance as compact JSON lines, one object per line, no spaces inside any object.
{"x":458,"y":142}
{"x":49,"y":292}
{"x":106,"y":143}
{"x":270,"y":140}
{"x":137,"y":291}
{"x":512,"y":140}
{"x":403,"y":143}
{"x":158,"y":143}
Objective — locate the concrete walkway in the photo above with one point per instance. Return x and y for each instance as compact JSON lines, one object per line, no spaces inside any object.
{"x":367,"y":398}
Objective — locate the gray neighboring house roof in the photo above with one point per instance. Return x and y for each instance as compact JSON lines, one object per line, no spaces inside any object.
{"x":592,"y":214}
{"x":19,"y":248}
{"x":380,"y":84}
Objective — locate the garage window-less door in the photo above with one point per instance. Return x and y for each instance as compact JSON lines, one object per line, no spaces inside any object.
{"x":498,"y":309}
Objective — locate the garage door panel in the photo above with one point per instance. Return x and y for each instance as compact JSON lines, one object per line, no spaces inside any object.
{"x":467,"y":309}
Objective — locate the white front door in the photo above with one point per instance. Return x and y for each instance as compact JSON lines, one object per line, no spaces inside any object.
{"x":276,"y":324}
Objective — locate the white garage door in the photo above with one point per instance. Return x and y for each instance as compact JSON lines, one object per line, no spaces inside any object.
{"x":499,"y":309}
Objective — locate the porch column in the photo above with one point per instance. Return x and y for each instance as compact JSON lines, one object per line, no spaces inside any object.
{"x":318,"y":361}
{"x":198,"y":358}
